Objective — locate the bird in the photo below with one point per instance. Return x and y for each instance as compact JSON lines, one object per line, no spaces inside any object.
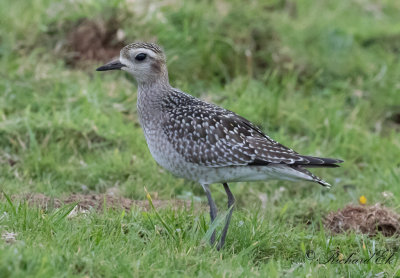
{"x":203,"y":142}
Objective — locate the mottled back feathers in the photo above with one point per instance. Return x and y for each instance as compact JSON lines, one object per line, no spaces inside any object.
{"x":209,"y":135}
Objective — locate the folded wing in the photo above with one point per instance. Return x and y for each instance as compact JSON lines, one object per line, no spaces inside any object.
{"x":208,"y":135}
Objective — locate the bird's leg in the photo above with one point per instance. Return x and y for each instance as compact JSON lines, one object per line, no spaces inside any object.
{"x":231,"y":203}
{"x":213,"y":209}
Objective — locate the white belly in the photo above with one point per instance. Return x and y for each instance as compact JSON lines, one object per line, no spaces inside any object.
{"x":250,"y":173}
{"x":166,"y":156}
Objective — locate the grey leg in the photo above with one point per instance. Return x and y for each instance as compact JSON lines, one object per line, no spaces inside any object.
{"x":231,"y":203}
{"x":213,"y":209}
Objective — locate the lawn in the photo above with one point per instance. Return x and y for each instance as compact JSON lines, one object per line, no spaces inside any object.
{"x":321,"y":77}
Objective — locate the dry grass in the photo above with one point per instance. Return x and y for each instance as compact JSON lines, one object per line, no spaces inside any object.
{"x":94,"y":40}
{"x":368,"y":220}
{"x":100,"y":201}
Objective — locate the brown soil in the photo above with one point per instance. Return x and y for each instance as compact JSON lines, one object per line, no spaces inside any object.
{"x":368,"y":220}
{"x":97,"y":202}
{"x":94,"y":40}
{"x":396,"y":118}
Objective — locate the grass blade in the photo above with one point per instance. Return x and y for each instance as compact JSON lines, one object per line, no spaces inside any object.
{"x":218,"y":221}
{"x":14,"y":210}
{"x":166,"y":226}
{"x":63,"y":212}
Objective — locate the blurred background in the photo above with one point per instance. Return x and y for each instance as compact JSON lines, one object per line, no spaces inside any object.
{"x":322,"y":77}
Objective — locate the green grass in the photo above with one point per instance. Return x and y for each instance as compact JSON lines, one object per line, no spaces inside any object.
{"x":319,"y":76}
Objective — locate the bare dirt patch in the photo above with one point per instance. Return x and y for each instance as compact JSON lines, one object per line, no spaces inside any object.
{"x":368,"y":220}
{"x":94,"y":40}
{"x":395,"y":118}
{"x":100,"y":201}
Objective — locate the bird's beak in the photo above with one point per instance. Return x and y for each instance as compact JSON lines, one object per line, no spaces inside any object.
{"x":113,"y":65}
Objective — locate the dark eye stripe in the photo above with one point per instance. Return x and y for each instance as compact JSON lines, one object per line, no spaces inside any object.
{"x":141,"y":56}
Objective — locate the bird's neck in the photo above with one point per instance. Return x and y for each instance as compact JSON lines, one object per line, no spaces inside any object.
{"x":153,"y":85}
{"x":158,"y":78}
{"x":149,"y":92}
{"x":150,"y":100}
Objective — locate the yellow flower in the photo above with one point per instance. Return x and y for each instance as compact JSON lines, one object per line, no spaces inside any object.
{"x":362,"y":200}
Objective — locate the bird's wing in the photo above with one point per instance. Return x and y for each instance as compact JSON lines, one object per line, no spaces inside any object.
{"x":209,"y":135}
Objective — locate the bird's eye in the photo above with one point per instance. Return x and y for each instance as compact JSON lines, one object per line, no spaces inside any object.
{"x":141,"y":56}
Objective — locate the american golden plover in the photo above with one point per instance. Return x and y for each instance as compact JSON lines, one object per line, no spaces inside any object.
{"x":201,"y":141}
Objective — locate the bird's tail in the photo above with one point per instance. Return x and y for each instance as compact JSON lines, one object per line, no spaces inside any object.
{"x":313,"y":177}
{"x":316,"y":162}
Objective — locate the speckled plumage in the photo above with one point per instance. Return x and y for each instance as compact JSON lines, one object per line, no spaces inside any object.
{"x":211,"y":139}
{"x":203,"y":142}
{"x":191,"y":138}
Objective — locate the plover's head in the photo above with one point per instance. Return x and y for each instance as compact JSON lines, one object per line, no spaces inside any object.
{"x":145,"y":61}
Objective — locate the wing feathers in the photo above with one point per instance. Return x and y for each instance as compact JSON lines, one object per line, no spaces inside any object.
{"x":208,"y":135}
{"x":306,"y":161}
